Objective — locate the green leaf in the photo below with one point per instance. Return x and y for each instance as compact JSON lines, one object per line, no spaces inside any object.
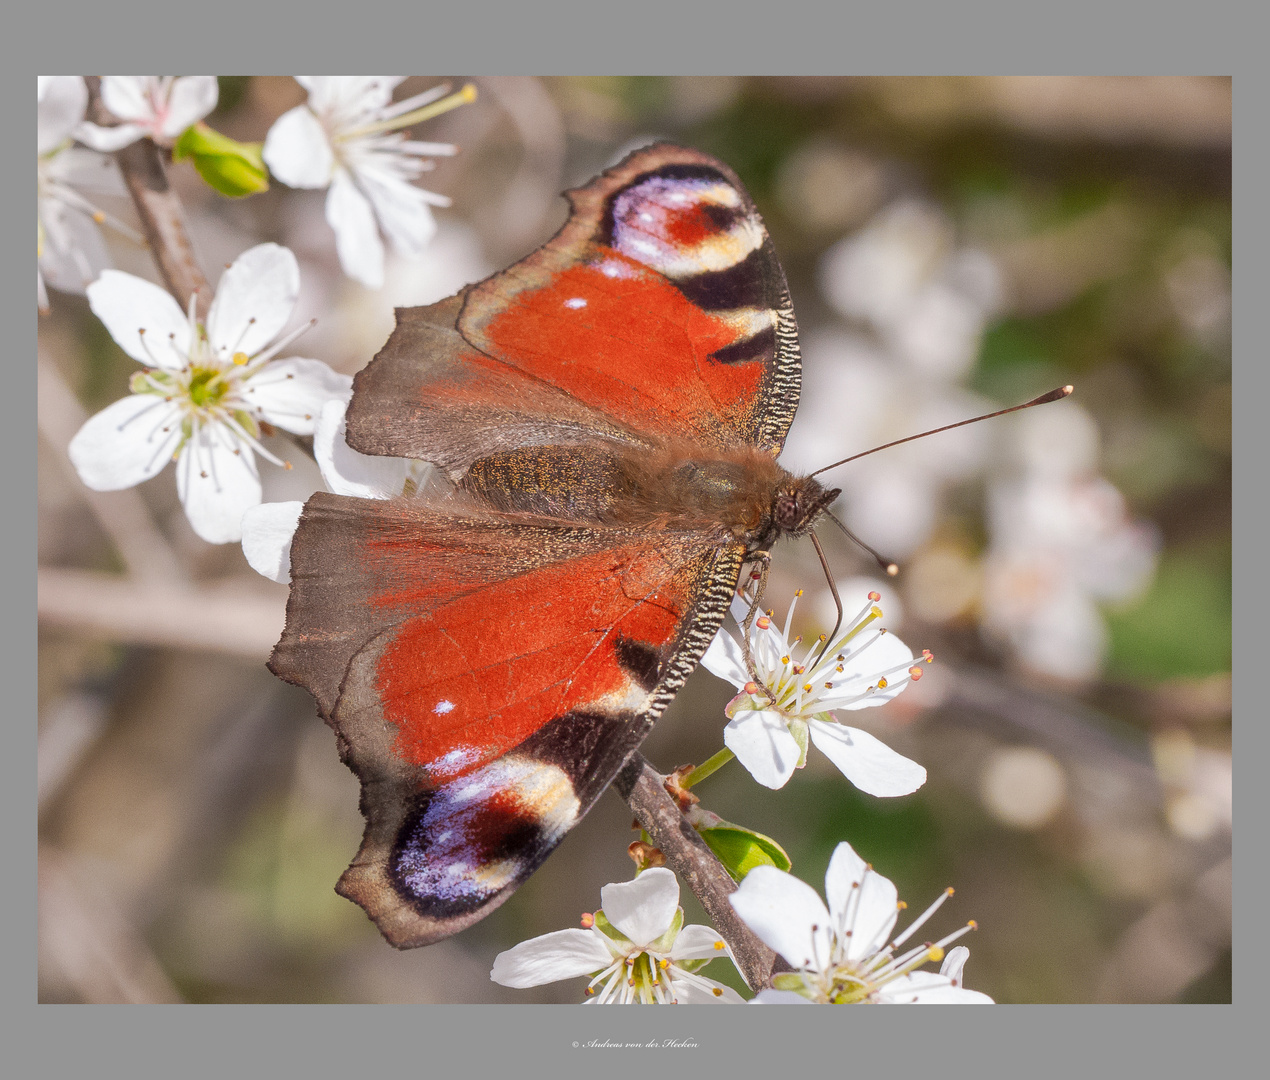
{"x":741,"y":850}
{"x":234,"y":169}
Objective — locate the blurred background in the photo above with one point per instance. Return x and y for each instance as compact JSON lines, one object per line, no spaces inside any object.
{"x":952,"y":245}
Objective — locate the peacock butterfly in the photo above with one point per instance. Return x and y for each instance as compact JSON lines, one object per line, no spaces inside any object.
{"x":608,"y":412}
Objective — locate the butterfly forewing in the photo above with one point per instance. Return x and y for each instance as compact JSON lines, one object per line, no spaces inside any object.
{"x":659,"y":310}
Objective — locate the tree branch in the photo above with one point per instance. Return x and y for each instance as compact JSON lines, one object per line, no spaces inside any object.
{"x":240,"y":620}
{"x":687,"y":854}
{"x":162,"y":217}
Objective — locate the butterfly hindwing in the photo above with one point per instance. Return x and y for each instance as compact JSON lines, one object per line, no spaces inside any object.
{"x":503,"y":673}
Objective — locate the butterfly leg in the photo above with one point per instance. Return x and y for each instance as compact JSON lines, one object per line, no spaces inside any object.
{"x":764,"y":559}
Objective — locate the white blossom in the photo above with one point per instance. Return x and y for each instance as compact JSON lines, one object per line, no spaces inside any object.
{"x":205,"y":390}
{"x":636,"y":950}
{"x":863,"y":665}
{"x":346,"y":139}
{"x":70,"y":252}
{"x":268,"y":528}
{"x":844,"y":953}
{"x":158,"y":106}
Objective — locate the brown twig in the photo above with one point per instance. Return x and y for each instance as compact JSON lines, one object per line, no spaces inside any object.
{"x":162,"y":217}
{"x":687,"y":854}
{"x":240,"y":621}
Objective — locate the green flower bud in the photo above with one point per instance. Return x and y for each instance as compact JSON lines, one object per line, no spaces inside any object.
{"x":234,"y":169}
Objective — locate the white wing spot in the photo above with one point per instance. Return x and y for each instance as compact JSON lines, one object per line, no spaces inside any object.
{"x":442,"y":707}
{"x":576,"y":302}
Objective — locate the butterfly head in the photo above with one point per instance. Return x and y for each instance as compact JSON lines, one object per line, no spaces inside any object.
{"x":797,"y":504}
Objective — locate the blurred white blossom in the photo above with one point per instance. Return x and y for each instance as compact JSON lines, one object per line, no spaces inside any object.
{"x":206,"y":389}
{"x":840,"y":953}
{"x":70,"y":252}
{"x":1061,"y":542}
{"x":903,"y":276}
{"x":855,"y":397}
{"x":158,"y":106}
{"x":347,"y":139}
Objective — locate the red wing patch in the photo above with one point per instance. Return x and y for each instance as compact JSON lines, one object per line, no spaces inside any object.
{"x":476,"y":675}
{"x":660,"y":302}
{"x":596,"y":331}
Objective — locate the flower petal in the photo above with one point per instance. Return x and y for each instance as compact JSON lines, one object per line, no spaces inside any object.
{"x":954,"y":963}
{"x":254,"y":299}
{"x":291,"y":393}
{"x":642,"y":909}
{"x":872,"y":900}
{"x":349,"y":95}
{"x":927,"y":988}
{"x":86,"y":170}
{"x":361,"y":251}
{"x":564,"y":954}
{"x":127,"y":442}
{"x":402,"y":213}
{"x":783,"y":911}
{"x":866,"y":761}
{"x":762,"y":743}
{"x":61,"y":102}
{"x":883,"y":653}
{"x":846,"y":871}
{"x":778,"y":997}
{"x":193,"y":97}
{"x":347,"y":472}
{"x":128,"y":96}
{"x":217,"y":481}
{"x":108,"y":139}
{"x":697,"y":942}
{"x":128,"y":304}
{"x":74,"y":253}
{"x":267,"y":533}
{"x":725,"y":659}
{"x":297,"y":150}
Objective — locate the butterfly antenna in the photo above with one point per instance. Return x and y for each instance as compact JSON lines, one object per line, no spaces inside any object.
{"x":1044,"y":399}
{"x":887,"y":566}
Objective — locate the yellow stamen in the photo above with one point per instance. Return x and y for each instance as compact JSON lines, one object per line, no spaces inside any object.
{"x":427,"y":112}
